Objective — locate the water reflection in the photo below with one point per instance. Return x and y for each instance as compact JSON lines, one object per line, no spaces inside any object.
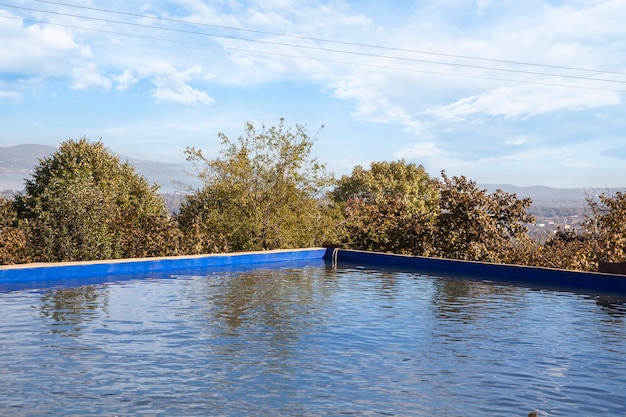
{"x":278,"y":307}
{"x":69,"y":308}
{"x":266,"y":297}
{"x":614,"y":307}
{"x":387,"y":284}
{"x":465,"y":300}
{"x":386,"y":281}
{"x":311,"y":342}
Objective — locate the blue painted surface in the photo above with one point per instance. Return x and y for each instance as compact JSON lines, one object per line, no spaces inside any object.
{"x":74,"y":270}
{"x":600,"y":283}
{"x":544,"y":277}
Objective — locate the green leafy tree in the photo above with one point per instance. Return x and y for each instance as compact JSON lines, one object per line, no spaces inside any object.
{"x":397,"y":207}
{"x":82,"y":203}
{"x":566,"y":249}
{"x":601,"y":238}
{"x":607,"y":226}
{"x":385,"y":227}
{"x":388,"y":208}
{"x":399,"y":179}
{"x":264,"y":191}
{"x":12,"y":236}
{"x":474,"y":225}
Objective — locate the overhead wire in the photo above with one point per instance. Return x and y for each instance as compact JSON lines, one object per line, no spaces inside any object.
{"x":332,"y":41}
{"x":594,"y":79}
{"x":482,"y":77}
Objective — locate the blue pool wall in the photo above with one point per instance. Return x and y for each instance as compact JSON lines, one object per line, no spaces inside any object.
{"x":588,"y":282}
{"x":25,"y":273}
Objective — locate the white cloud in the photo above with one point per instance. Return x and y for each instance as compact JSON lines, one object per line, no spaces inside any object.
{"x":531,"y":165}
{"x":88,"y":76}
{"x":126,"y":80}
{"x":86,"y":52}
{"x":420,"y":150}
{"x":540,"y":33}
{"x":35,"y":50}
{"x":523,"y":101}
{"x":434,"y":158}
{"x":172,"y":85}
{"x":257,"y":18}
{"x":519,"y":141}
{"x":576,"y":163}
{"x":367,"y":90}
{"x":13,"y":95}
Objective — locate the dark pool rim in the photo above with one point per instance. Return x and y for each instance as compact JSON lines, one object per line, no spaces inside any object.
{"x":592,"y":283}
{"x":589,"y":282}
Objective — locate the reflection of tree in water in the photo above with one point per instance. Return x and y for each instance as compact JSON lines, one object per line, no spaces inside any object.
{"x":274,"y":305}
{"x":387,"y":282}
{"x":465,"y":300}
{"x":69,"y":307}
{"x":614,"y":307}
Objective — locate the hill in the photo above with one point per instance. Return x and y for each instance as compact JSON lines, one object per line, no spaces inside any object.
{"x":21,"y":159}
{"x":553,"y":197}
{"x":17,"y":164}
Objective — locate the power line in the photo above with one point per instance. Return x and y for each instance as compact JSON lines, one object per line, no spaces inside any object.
{"x":317,"y":59}
{"x":332,"y":41}
{"x":321,"y":49}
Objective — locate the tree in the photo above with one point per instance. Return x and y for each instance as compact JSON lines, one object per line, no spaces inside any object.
{"x":474,"y":225}
{"x":385,"y":227}
{"x":566,"y":250}
{"x":82,"y":203}
{"x":605,"y":226}
{"x":264,"y":191}
{"x":397,"y":207}
{"x":387,"y":208}
{"x":601,"y":238}
{"x":12,"y":236}
{"x":399,"y":179}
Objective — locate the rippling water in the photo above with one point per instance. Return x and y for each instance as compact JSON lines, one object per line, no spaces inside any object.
{"x":309,"y":341}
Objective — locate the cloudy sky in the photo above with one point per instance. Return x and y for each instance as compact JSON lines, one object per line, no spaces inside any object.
{"x":518,"y":92}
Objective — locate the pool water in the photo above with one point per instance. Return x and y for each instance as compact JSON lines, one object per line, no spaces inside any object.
{"x":309,"y":341}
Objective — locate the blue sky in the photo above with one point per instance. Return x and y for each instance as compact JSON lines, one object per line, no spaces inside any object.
{"x":499,"y":91}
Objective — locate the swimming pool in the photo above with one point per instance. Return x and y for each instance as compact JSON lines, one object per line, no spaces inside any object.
{"x":306,"y":338}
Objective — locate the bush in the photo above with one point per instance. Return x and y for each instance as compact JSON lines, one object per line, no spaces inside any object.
{"x":82,"y":203}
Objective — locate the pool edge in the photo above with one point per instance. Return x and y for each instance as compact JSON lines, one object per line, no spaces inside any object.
{"x":593,"y":282}
{"x":21,"y":273}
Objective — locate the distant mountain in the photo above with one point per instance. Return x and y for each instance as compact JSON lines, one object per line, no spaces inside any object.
{"x":18,"y":162}
{"x":552,"y":197}
{"x":21,"y":159}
